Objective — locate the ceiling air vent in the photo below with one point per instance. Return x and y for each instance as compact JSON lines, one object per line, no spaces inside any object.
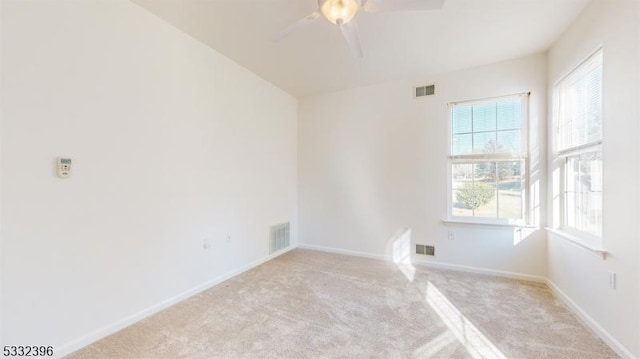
{"x":426,"y":250}
{"x":425,"y":90}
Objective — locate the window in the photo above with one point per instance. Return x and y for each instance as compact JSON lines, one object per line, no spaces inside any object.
{"x":487,"y":159}
{"x":577,"y":115}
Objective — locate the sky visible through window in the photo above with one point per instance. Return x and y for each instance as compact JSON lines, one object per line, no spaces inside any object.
{"x":487,"y":127}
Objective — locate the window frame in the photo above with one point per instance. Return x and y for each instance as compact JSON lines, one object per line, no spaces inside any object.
{"x":473,"y":158}
{"x":560,"y":158}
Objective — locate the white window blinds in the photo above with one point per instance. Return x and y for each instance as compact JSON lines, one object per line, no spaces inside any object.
{"x":578,"y":99}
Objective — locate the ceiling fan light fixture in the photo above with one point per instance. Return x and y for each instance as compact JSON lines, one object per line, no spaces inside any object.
{"x":339,"y":11}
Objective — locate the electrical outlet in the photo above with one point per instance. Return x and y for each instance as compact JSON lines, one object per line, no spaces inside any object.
{"x":451,"y":235}
{"x":228,"y":238}
{"x":206,"y":243}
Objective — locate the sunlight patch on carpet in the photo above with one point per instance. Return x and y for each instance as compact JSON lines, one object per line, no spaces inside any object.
{"x":435,"y":345}
{"x":467,"y":334}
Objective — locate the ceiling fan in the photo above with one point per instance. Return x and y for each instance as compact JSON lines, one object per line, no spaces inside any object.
{"x":342,"y":13}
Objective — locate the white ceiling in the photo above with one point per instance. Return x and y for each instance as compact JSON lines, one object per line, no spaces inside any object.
{"x":397,"y":45}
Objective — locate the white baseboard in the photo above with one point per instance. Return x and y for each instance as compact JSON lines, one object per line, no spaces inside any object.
{"x":83,"y":341}
{"x":456,"y":267}
{"x":591,"y":323}
{"x":342,"y":251}
{"x":485,"y":271}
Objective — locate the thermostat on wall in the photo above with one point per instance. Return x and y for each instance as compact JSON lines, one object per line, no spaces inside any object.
{"x":64,"y":167}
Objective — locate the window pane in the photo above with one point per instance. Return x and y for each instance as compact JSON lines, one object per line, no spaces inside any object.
{"x":489,"y":209}
{"x":474,"y":190}
{"x":484,"y":142}
{"x":461,"y":119}
{"x":510,"y":190}
{"x":462,"y":184}
{"x":508,"y":141}
{"x":594,"y":105}
{"x":489,"y":127}
{"x":461,"y":144}
{"x":578,"y":105}
{"x":460,"y":206}
{"x":583,"y":194}
{"x":485,"y":172}
{"x":484,"y":117}
{"x":509,"y":113}
{"x":460,"y":175}
{"x":485,"y":190}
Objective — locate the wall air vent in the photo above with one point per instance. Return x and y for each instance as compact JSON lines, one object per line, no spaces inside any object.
{"x":279,"y":237}
{"x":425,"y":90}
{"x":426,"y":250}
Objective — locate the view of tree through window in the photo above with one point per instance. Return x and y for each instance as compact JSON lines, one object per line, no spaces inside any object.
{"x":487,"y":159}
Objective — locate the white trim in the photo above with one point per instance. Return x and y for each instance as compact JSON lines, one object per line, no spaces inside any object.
{"x":590,"y":322}
{"x":487,"y":99}
{"x":485,"y":157}
{"x":580,"y":149}
{"x":343,"y":251}
{"x":484,"y":271}
{"x":462,"y":221}
{"x":79,"y":343}
{"x":578,"y":242}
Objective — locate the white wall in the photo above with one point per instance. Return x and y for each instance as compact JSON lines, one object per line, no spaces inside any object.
{"x":580,"y":274}
{"x":171,"y":143}
{"x":373,"y":160}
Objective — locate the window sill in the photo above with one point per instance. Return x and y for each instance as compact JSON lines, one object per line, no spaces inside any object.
{"x":463,"y":222}
{"x":579,"y":242}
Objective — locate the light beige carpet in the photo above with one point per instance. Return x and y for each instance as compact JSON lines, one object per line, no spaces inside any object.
{"x":309,"y":304}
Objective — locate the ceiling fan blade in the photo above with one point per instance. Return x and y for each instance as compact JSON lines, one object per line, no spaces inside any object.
{"x":351,"y":34}
{"x":297,"y":25}
{"x":401,"y":5}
